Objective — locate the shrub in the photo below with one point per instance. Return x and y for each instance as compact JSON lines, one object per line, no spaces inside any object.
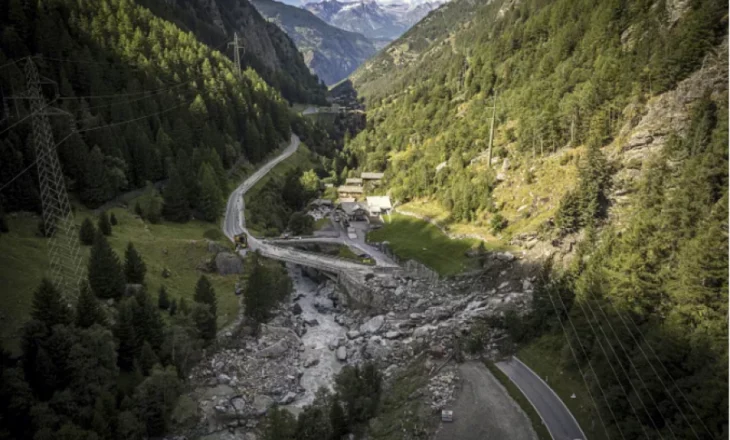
{"x":498,"y":222}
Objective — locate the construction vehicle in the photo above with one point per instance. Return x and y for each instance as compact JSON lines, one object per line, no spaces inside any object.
{"x":241,"y":241}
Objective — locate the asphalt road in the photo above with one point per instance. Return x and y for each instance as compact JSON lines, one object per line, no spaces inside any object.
{"x":234,"y":223}
{"x":556,"y":416}
{"x":483,"y":410}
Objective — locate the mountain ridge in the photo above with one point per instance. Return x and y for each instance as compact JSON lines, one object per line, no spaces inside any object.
{"x":330,"y":52}
{"x":377,"y":21}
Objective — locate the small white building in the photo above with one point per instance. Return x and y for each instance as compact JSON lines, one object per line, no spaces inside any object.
{"x":378,"y":205}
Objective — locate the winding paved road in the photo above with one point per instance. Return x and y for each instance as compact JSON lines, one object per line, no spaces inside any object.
{"x":556,"y":416}
{"x":234,"y":223}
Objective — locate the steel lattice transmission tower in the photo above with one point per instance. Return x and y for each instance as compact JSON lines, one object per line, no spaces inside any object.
{"x":66,"y":269}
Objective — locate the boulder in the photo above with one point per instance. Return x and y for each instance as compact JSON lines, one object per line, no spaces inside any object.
{"x":392,"y":334}
{"x":224,"y":379}
{"x":311,"y":322}
{"x":296,"y":309}
{"x":215,"y":247}
{"x":373,"y":325}
{"x":274,"y":350}
{"x":310,"y":362}
{"x":342,"y":354}
{"x":422,"y":332}
{"x":288,"y":398}
{"x":323,"y":305}
{"x":261,"y":404}
{"x":228,"y":263}
{"x":238,"y":404}
{"x":353,"y":334}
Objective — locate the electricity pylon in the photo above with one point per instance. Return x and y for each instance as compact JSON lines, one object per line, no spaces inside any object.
{"x":237,"y":47}
{"x":66,"y":270}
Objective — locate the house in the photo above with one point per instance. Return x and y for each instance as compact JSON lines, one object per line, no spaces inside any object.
{"x":325,"y":203}
{"x":372,"y":176}
{"x":354,"y":211}
{"x":349,"y":191}
{"x":378,"y":205}
{"x":353,"y":181}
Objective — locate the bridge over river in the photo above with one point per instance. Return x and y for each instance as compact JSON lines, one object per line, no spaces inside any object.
{"x":234,"y":223}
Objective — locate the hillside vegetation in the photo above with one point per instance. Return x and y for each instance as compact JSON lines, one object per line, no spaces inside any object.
{"x":330,"y":52}
{"x":266,"y":48}
{"x":141,"y":93}
{"x":611,"y":130}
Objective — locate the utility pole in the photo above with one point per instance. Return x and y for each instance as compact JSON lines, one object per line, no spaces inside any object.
{"x":237,"y":47}
{"x":491,"y":130}
{"x":66,"y":270}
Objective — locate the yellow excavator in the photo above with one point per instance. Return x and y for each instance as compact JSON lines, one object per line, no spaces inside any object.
{"x":241,"y":241}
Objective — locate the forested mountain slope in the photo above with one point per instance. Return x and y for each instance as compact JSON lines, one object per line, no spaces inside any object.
{"x":148,"y":101}
{"x":330,"y":52}
{"x":266,"y":48}
{"x":611,"y":131}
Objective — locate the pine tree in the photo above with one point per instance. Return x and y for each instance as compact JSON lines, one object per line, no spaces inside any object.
{"x":104,"y":224}
{"x":88,"y":309}
{"x":279,"y":425}
{"x":147,"y":358}
{"x":126,"y":334}
{"x":87,"y":232}
{"x":184,"y":309}
{"x":138,"y":209}
{"x":3,"y":221}
{"x":163,"y":301}
{"x":338,"y":421}
{"x":113,"y":219}
{"x":205,"y":319}
{"x":106,"y":276}
{"x":96,"y":188}
{"x":134,"y":267}
{"x":173,"y":307}
{"x":205,"y":294}
{"x":48,"y":305}
{"x":210,"y":198}
{"x":147,"y":320}
{"x":176,"y":206}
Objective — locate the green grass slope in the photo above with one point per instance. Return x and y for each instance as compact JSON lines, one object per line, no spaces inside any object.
{"x":178,"y":247}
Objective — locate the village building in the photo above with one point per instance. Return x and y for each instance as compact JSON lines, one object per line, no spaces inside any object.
{"x":350,"y":191}
{"x":374,"y":177}
{"x":353,"y":181}
{"x":354,"y":211}
{"x":324,"y":203}
{"x":378,"y":205}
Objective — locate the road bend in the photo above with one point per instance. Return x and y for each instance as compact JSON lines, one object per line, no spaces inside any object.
{"x":234,"y":223}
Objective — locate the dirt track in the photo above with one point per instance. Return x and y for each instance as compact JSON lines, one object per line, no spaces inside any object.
{"x":484,"y":410}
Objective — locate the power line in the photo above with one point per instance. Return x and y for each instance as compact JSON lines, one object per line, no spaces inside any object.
{"x":671,"y":396}
{"x":621,"y":366}
{"x":45,"y":106}
{"x":613,"y":370}
{"x":89,"y":129}
{"x":580,"y":370}
{"x":638,"y":374}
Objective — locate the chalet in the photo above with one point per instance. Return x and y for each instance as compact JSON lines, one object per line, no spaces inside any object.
{"x":353,"y":181}
{"x":325,"y":203}
{"x":378,"y":205}
{"x":349,"y":191}
{"x":355,"y":211}
{"x":371,"y":176}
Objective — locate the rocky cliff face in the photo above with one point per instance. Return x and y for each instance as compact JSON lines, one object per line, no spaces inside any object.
{"x":266,"y":48}
{"x":330,"y":52}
